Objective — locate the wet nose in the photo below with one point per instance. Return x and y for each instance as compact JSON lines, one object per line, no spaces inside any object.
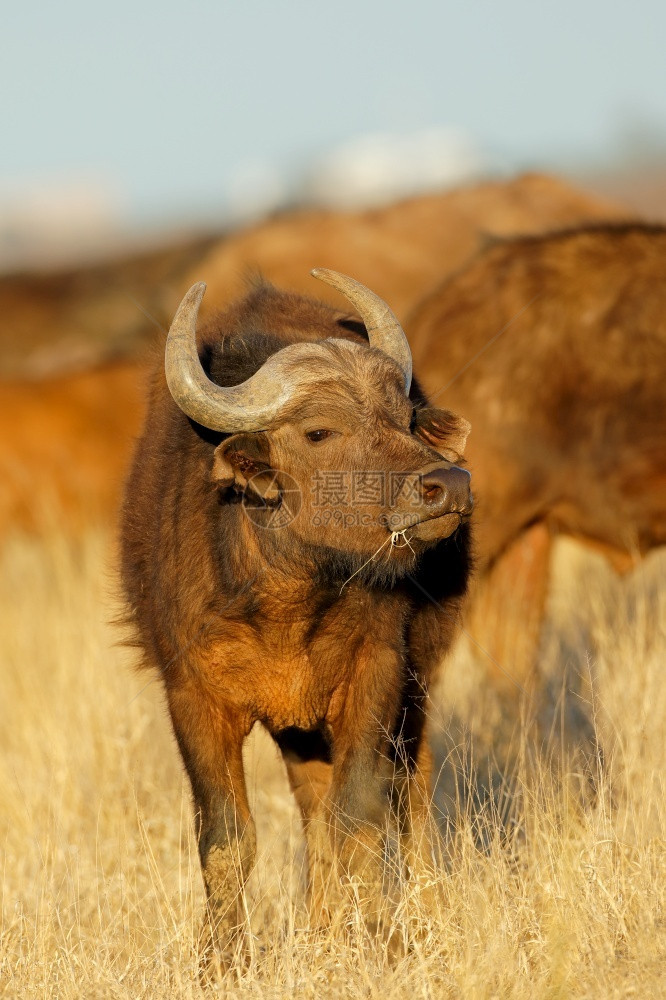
{"x":446,"y":489}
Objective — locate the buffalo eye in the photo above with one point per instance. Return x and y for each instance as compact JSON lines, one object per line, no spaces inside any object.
{"x":316,"y":436}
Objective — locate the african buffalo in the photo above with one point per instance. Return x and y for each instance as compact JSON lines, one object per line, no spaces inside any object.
{"x":295,"y":550}
{"x":556,"y":344}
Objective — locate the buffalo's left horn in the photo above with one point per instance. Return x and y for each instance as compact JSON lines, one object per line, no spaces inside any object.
{"x":384,"y":330}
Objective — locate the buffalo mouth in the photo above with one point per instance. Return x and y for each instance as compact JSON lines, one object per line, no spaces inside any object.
{"x":431,"y":529}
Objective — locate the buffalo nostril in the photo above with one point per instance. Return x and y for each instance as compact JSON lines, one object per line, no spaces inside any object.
{"x":447,"y":487}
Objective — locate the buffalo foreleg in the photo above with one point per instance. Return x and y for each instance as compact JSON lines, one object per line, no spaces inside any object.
{"x":358,"y":824}
{"x":211,"y":741}
{"x":359,"y":795}
{"x":412,"y":798}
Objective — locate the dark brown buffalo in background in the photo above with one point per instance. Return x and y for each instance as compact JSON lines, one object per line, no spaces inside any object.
{"x":64,"y":447}
{"x":76,"y":318}
{"x":73,"y":344}
{"x":566,"y":395}
{"x":401,"y":251}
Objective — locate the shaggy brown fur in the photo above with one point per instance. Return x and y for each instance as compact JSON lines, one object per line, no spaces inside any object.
{"x":324,"y":632}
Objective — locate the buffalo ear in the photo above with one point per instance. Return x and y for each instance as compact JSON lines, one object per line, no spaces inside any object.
{"x":242,"y":461}
{"x":444,"y":431}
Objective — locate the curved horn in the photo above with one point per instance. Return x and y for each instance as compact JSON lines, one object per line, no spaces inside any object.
{"x":251,"y":406}
{"x":384,"y":330}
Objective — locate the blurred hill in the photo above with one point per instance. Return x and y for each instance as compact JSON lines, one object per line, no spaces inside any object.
{"x":57,"y":320}
{"x":640,"y":186}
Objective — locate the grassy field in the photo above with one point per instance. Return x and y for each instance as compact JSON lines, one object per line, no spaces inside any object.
{"x":554,"y":883}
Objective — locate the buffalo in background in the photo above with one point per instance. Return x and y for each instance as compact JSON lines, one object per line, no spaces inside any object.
{"x":561,"y":371}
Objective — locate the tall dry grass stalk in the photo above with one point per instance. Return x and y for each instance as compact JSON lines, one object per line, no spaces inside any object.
{"x":553,"y":882}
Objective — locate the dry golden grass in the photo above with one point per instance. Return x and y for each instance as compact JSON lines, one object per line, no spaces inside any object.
{"x":554,"y":885}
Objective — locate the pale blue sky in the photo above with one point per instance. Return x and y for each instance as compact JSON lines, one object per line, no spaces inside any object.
{"x":166,"y":99}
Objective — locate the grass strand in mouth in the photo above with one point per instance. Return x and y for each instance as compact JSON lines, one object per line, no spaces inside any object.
{"x":367,"y":562}
{"x":405,"y":543}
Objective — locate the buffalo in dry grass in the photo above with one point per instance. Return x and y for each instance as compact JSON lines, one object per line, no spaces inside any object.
{"x":322,"y":616}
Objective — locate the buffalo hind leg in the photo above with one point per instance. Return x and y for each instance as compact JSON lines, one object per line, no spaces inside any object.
{"x":307,"y":757}
{"x":507,"y":611}
{"x":419,"y":837}
{"x":211,"y":744}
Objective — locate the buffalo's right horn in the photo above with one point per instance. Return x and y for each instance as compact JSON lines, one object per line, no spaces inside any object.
{"x":251,"y":406}
{"x":384,"y":330}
